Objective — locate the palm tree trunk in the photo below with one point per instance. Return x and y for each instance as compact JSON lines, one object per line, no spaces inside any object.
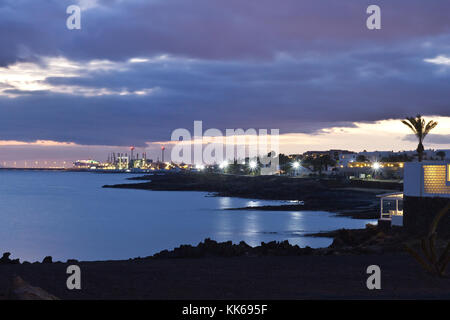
{"x":420,"y":150}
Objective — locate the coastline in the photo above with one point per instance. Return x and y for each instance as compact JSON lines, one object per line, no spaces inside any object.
{"x":299,"y":273}
{"x":369,"y":212}
{"x":273,"y":270}
{"x":355,"y":199}
{"x":267,"y":278}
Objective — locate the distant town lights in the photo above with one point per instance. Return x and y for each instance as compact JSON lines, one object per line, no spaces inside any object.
{"x":223,"y":165}
{"x":200,"y":167}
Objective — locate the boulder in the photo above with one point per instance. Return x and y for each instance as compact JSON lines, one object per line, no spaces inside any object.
{"x":72,"y":261}
{"x":6,"y":260}
{"x":47,"y":259}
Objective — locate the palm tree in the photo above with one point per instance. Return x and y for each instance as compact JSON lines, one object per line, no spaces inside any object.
{"x":417,"y":125}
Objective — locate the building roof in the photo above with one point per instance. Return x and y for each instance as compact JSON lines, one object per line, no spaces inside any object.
{"x":392,"y":195}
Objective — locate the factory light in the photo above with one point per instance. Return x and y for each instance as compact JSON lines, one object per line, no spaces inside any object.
{"x":223,"y":165}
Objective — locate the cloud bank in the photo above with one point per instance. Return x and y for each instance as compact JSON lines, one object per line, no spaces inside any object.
{"x":139,"y":69}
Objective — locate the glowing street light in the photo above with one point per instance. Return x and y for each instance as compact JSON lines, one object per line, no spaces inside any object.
{"x":376,"y":165}
{"x":200,"y":167}
{"x":296,"y":165}
{"x":253,"y":165}
{"x":223,"y":165}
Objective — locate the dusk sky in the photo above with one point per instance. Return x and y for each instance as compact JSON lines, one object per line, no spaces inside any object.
{"x":139,"y":69}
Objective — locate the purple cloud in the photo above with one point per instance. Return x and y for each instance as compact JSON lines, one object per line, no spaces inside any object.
{"x":295,"y":65}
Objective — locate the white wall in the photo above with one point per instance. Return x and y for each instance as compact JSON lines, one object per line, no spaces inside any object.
{"x":413,"y":181}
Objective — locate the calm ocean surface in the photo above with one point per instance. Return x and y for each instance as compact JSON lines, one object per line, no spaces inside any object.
{"x":68,"y":215}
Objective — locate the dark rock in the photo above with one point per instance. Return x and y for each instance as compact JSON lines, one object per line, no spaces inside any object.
{"x":337,"y":243}
{"x":227,"y":249}
{"x":384,"y":225}
{"x":72,"y":261}
{"x":420,"y":212}
{"x":308,"y":250}
{"x":5,"y":256}
{"x":47,"y":259}
{"x":6,"y":260}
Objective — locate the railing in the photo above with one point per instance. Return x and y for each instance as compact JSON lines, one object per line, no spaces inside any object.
{"x":388,"y":215}
{"x":385,"y":216}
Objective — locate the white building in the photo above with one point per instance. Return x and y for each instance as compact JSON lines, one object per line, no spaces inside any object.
{"x":426,"y":191}
{"x":427,"y":179}
{"x":345,"y":159}
{"x":374,"y":156}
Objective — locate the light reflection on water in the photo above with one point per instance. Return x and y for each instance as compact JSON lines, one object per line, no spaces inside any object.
{"x":68,"y":215}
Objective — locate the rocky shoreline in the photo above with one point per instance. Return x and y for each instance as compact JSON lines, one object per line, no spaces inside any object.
{"x":226,"y":270}
{"x":366,"y":211}
{"x":371,"y":240}
{"x":223,"y":270}
{"x":356,"y":199}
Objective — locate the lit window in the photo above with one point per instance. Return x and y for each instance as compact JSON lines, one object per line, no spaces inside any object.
{"x":436,"y":179}
{"x":448,"y":175}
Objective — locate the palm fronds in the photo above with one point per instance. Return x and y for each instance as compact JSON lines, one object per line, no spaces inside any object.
{"x":430,"y":260}
{"x":420,"y":129}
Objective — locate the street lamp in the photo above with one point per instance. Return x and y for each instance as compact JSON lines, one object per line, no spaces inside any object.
{"x":223,"y":165}
{"x":296,"y":165}
{"x":376,"y":165}
{"x":253,"y":165}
